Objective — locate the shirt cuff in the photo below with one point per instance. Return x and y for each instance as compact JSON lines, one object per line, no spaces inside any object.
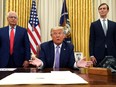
{"x":41,"y":67}
{"x":91,"y":56}
{"x":75,"y":66}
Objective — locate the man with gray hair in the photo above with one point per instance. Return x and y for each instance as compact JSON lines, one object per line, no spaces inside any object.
{"x":14,"y":44}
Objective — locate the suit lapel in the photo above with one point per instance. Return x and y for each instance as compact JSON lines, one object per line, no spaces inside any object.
{"x":62,"y":53}
{"x":101,"y":28}
{"x":7,"y":34}
{"x":52,"y":54}
{"x":109,"y":25}
{"x":16,"y":35}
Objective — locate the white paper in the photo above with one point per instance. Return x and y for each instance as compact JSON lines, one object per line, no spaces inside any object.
{"x":7,"y":69}
{"x":65,"y":72}
{"x":43,"y":78}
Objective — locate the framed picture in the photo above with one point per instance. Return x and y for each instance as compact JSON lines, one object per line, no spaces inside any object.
{"x":78,"y":55}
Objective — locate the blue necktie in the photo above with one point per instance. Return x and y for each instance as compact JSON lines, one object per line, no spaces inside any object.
{"x":57,"y":59}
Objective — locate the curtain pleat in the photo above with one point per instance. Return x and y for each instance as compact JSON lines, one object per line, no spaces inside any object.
{"x":80,"y":15}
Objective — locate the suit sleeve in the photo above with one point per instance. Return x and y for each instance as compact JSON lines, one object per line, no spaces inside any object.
{"x":91,"y":40}
{"x":115,"y":35}
{"x":72,"y":58}
{"x":27,"y":46}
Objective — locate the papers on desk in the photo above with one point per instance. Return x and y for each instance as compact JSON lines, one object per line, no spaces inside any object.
{"x":58,"y":77}
{"x":7,"y":69}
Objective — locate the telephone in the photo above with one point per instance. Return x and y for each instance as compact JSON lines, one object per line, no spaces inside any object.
{"x":108,"y":62}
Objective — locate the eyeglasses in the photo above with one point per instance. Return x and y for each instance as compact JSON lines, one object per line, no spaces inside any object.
{"x":13,"y":17}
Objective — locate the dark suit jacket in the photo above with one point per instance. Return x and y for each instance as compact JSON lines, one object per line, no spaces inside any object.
{"x":21,"y":46}
{"x":47,"y":52}
{"x":98,"y":40}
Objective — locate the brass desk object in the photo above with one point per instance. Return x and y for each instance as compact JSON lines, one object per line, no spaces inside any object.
{"x":99,"y":71}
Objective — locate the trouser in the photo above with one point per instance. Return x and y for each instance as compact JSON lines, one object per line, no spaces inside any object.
{"x":11,"y":63}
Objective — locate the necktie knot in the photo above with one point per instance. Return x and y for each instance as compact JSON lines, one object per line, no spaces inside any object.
{"x":12,"y":29}
{"x":104,"y":19}
{"x":57,"y":47}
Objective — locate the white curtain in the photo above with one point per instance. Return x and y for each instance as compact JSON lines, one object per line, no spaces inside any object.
{"x":1,"y":13}
{"x":49,"y":12}
{"x":112,"y":9}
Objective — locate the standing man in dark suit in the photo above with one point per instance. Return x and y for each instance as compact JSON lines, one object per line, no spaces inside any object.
{"x":15,"y":46}
{"x":102,"y":36}
{"x":48,"y":53}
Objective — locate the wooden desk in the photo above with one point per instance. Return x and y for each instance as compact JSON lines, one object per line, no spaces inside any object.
{"x":94,"y":80}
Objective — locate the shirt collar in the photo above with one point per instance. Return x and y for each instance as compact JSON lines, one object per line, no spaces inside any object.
{"x":57,"y":45}
{"x":101,"y":19}
{"x":11,"y":28}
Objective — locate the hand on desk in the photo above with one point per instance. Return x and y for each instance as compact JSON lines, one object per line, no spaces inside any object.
{"x":84,"y":64}
{"x":35,"y":61}
{"x":93,"y":59}
{"x":25,"y":64}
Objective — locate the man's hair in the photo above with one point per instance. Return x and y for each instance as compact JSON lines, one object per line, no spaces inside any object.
{"x":57,"y":28}
{"x":103,"y":4}
{"x":10,"y":12}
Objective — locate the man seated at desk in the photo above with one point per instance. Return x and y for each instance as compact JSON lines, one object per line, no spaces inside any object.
{"x":57,"y":53}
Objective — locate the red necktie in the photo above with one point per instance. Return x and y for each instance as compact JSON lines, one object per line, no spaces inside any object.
{"x":11,"y":41}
